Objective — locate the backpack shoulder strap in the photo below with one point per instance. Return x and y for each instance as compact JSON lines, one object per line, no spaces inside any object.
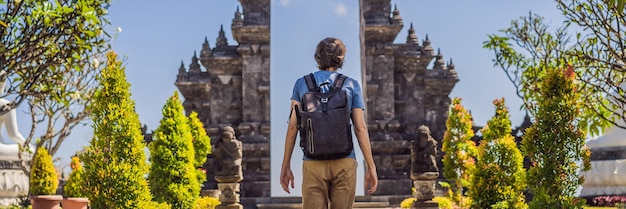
{"x":311,"y":83}
{"x":339,"y":81}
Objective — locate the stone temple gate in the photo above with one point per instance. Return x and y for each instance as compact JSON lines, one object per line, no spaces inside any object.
{"x":402,"y":91}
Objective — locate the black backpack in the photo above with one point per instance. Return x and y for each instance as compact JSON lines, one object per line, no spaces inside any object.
{"x":324,"y":121}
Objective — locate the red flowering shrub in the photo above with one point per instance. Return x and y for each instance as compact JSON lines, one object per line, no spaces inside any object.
{"x":608,"y":201}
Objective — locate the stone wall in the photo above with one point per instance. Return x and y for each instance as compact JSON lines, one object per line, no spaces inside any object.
{"x":233,"y":90}
{"x":402,"y":92}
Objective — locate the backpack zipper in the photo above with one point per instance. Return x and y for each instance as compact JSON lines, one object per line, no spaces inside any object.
{"x":310,"y":138}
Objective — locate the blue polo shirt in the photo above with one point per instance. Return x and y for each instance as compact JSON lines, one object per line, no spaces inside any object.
{"x":351,"y":86}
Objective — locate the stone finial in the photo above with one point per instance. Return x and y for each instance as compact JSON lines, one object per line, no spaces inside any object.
{"x":427,"y":47}
{"x":222,"y":42}
{"x":396,"y":19}
{"x":206,"y":46}
{"x":194,"y":67}
{"x":182,"y":69}
{"x":450,"y":64}
{"x":182,"y":72}
{"x":237,"y":20}
{"x":206,"y":49}
{"x":439,"y":62}
{"x":450,"y":67}
{"x":412,"y":37}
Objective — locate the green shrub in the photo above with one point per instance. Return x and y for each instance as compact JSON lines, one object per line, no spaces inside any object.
{"x":206,"y":203}
{"x":445,"y":202}
{"x":173,"y":174}
{"x":44,"y":179}
{"x":555,"y":143}
{"x":74,"y":187}
{"x":201,"y":144}
{"x":498,"y":180}
{"x":459,"y":152}
{"x":154,"y":205}
{"x":115,"y":160}
{"x":407,"y":203}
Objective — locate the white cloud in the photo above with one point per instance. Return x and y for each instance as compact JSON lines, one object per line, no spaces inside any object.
{"x":284,"y":3}
{"x":340,"y":9}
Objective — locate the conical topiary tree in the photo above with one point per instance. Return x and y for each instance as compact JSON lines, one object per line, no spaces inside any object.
{"x":75,"y":187}
{"x":173,"y":177}
{"x":44,"y":179}
{"x":555,"y":143}
{"x":459,"y":152}
{"x":201,"y":145}
{"x":498,"y":180}
{"x":115,"y":160}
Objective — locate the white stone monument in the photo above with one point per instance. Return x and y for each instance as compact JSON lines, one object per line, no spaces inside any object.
{"x":607,"y":175}
{"x":13,"y":180}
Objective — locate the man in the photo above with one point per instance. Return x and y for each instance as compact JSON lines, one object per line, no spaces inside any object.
{"x":330,"y":182}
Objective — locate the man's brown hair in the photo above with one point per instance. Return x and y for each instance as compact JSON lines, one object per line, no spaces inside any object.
{"x":330,"y":52}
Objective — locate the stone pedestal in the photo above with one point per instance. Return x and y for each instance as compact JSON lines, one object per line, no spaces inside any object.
{"x":13,"y":183}
{"x":426,"y":204}
{"x":424,"y":189}
{"x":210,"y":193}
{"x":229,"y":196}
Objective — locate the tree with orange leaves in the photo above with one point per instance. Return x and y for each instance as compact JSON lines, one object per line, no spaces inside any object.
{"x":555,"y":143}
{"x":460,"y":152}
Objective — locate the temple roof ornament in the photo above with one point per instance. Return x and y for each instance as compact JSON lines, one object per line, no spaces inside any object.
{"x":194,"y":67}
{"x":452,"y":70}
{"x":205,"y":45}
{"x":396,"y":19}
{"x":237,"y":20}
{"x":206,"y":50}
{"x":426,"y":44}
{"x":450,"y":64}
{"x":222,"y":42}
{"x":182,"y":73}
{"x":439,"y":62}
{"x":412,"y":37}
{"x":182,"y":69}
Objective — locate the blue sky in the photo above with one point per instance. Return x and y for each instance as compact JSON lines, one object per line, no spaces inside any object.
{"x":156,"y":35}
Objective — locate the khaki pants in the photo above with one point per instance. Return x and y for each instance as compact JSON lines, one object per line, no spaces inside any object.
{"x":328,"y":181}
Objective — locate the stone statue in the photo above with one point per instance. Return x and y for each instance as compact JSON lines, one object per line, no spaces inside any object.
{"x":423,"y":154}
{"x":8,"y":121}
{"x":13,"y":181}
{"x":424,"y":169}
{"x":228,"y":156}
{"x":228,"y":172}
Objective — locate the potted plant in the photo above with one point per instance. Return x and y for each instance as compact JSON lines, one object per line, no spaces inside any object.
{"x":44,"y":182}
{"x":73,"y":189}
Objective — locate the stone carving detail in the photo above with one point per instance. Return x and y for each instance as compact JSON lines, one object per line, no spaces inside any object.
{"x":424,"y":168}
{"x":13,"y":183}
{"x":7,"y":164}
{"x":424,"y":190}
{"x":612,"y":153}
{"x":228,"y":157}
{"x":423,"y":154}
{"x":229,"y":196}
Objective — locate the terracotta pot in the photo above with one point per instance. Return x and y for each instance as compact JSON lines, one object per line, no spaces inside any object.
{"x":46,"y":201}
{"x":75,"y":203}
